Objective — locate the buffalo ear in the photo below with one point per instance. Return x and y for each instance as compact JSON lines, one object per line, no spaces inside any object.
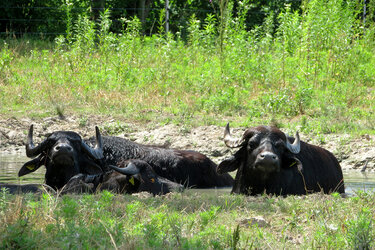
{"x":30,"y":166}
{"x":90,"y":167}
{"x":228,"y":165}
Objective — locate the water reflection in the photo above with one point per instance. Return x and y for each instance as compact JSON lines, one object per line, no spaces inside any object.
{"x":11,"y":163}
{"x":355,"y":180}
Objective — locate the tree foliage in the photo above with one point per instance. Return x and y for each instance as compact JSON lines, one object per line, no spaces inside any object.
{"x":55,"y":17}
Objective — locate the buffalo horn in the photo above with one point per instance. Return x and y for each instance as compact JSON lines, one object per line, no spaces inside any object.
{"x":31,"y":150}
{"x":131,"y":169}
{"x":230,"y":141}
{"x":97,"y":151}
{"x":296,"y":146}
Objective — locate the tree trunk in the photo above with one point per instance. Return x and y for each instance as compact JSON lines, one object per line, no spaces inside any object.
{"x":142,"y":11}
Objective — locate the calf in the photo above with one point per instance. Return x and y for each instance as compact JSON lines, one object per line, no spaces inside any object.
{"x":131,"y":176}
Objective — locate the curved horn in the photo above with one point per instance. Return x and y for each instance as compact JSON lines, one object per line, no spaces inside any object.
{"x":230,"y":141}
{"x":131,"y":169}
{"x":32,"y":150}
{"x":97,"y":151}
{"x":295,"y":148}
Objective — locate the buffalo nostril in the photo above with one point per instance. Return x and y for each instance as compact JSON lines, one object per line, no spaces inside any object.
{"x":268,"y":156}
{"x":63,"y":147}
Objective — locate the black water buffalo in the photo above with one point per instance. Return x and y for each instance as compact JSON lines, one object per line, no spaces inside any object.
{"x":190,"y":168}
{"x":131,"y":176}
{"x":64,"y":154}
{"x":268,"y":162}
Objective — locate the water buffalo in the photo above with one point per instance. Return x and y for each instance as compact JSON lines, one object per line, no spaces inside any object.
{"x":131,"y":176}
{"x":187,"y":167}
{"x":269,"y":162}
{"x":64,"y":154}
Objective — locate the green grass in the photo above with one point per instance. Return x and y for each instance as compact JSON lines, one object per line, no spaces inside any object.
{"x":187,"y":220}
{"x":313,"y":70}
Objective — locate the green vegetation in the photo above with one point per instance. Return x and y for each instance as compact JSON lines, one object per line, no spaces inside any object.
{"x":190,"y":220}
{"x":314,"y":70}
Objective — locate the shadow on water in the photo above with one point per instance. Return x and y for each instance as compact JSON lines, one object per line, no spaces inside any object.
{"x":11,"y":163}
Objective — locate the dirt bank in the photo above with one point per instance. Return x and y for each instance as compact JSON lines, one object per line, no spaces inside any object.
{"x":353,"y":153}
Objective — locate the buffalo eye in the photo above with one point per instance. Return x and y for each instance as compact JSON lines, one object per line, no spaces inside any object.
{"x":280,"y":145}
{"x":252,"y":144}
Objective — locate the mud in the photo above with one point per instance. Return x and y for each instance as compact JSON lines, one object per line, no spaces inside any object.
{"x":353,"y":152}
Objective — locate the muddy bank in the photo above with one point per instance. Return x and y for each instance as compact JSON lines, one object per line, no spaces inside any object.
{"x":353,"y":153}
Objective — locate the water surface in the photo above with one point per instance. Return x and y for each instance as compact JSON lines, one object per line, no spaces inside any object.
{"x":10,"y":164}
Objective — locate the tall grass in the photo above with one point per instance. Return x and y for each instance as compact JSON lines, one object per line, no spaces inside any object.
{"x":314,"y":68}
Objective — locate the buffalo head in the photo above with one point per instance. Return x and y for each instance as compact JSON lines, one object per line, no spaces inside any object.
{"x":138,"y":176}
{"x":264,"y":151}
{"x":64,"y":154}
{"x":131,"y":176}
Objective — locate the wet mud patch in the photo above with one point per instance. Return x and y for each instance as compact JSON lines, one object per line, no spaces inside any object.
{"x":353,"y":153}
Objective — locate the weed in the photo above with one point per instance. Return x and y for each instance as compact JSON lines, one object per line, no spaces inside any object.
{"x":17,"y":235}
{"x":360,"y":230}
{"x":69,"y":208}
{"x":60,"y":111}
{"x":6,"y":57}
{"x":115,"y":128}
{"x":235,"y":237}
{"x":82,"y":121}
{"x":3,"y":199}
{"x":208,"y":216}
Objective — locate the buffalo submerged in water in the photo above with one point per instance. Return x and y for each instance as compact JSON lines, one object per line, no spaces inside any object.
{"x":271,"y":162}
{"x":131,"y":176}
{"x":100,"y":162}
{"x":64,"y":154}
{"x":187,"y":167}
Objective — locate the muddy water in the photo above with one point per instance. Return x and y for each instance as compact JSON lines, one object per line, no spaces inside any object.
{"x":11,"y":163}
{"x":355,"y":180}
